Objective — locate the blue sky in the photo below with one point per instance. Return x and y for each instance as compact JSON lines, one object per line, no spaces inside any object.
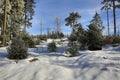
{"x":47,"y":10}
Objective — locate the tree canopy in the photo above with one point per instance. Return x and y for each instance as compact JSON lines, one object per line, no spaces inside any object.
{"x":71,"y":20}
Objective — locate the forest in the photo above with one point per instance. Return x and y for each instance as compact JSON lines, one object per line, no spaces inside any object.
{"x":84,"y":54}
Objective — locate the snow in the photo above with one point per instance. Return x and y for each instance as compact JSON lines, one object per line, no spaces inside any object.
{"x":89,"y":65}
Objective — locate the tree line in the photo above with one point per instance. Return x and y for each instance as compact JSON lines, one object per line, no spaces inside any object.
{"x":15,"y":17}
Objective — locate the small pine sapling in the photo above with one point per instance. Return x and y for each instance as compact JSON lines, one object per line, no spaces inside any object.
{"x":52,"y":47}
{"x":17,"y":49}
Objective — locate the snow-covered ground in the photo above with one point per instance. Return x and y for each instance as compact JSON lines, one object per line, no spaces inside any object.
{"x":90,"y":65}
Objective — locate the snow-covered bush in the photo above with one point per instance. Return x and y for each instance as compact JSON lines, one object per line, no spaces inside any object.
{"x":52,"y":47}
{"x":17,"y":49}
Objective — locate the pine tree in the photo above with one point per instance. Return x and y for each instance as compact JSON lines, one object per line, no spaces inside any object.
{"x":52,"y":47}
{"x":95,"y":38}
{"x":72,"y":19}
{"x":113,"y":4}
{"x":17,"y":49}
{"x":28,"y":13}
{"x":17,"y":16}
{"x":5,"y":8}
{"x":107,"y":8}
{"x":1,"y":25}
{"x":4,"y":24}
{"x":94,"y":33}
{"x":81,"y":35}
{"x":97,"y":21}
{"x":14,"y":14}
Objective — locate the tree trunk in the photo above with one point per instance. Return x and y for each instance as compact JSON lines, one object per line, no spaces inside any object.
{"x":4,"y":23}
{"x":114,"y":16}
{"x":41,"y":23}
{"x":108,"y":22}
{"x":24,"y":29}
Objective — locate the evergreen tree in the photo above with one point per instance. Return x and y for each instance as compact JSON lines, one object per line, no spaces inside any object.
{"x":5,"y":8}
{"x":29,"y":41}
{"x":1,"y":23}
{"x":97,"y":21}
{"x":71,"y":20}
{"x":94,"y":33}
{"x":17,"y":16}
{"x":81,"y":35}
{"x":52,"y":47}
{"x":112,"y":4}
{"x":17,"y":49}
{"x":72,"y":37}
{"x":72,"y":51}
{"x":4,"y":23}
{"x":1,"y":5}
{"x":14,"y":14}
{"x":95,"y":38}
{"x":28,"y":13}
{"x":106,"y":7}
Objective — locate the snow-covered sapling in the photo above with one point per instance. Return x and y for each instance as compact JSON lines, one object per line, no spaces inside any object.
{"x":72,"y":51}
{"x":52,"y":47}
{"x":17,"y":49}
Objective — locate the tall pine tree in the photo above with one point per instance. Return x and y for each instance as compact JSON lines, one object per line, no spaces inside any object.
{"x":28,"y":13}
{"x":17,"y":16}
{"x":72,"y":19}
{"x":94,"y":34}
{"x":113,"y":5}
{"x":95,"y":38}
{"x":106,"y":7}
{"x":5,"y":8}
{"x":13,"y":15}
{"x":97,"y":21}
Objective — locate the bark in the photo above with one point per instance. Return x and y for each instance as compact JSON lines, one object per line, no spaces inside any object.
{"x":4,"y":23}
{"x":114,"y":16}
{"x":108,"y":21}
